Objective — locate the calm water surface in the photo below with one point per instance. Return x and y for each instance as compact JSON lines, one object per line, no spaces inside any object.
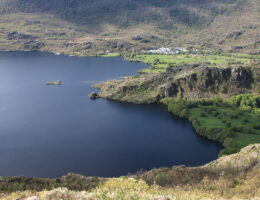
{"x":48,"y":131}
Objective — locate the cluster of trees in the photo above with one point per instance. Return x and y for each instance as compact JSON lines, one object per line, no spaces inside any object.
{"x":175,"y":105}
{"x":246,"y":100}
{"x":225,"y":134}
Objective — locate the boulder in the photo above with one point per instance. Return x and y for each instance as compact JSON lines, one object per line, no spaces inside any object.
{"x":162,"y":198}
{"x":87,"y":45}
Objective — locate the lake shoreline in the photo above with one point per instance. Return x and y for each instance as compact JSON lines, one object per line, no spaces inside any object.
{"x":97,"y":95}
{"x":144,"y":110}
{"x":98,"y":85}
{"x":162,"y":176}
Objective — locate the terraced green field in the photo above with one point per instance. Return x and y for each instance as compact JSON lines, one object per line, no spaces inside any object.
{"x":234,"y":122}
{"x":160,"y":62}
{"x":241,"y":124}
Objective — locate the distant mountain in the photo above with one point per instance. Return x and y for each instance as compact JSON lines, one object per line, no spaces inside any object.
{"x":123,"y":25}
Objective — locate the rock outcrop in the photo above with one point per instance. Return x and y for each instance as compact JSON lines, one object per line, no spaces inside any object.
{"x":32,"y":45}
{"x":19,"y":36}
{"x":93,"y":95}
{"x":235,"y":34}
{"x":189,"y":81}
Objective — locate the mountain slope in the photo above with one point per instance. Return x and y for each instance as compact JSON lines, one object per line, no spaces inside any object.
{"x":128,"y":25}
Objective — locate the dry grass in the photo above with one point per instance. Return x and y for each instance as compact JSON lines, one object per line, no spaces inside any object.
{"x":229,"y":182}
{"x":131,"y":189}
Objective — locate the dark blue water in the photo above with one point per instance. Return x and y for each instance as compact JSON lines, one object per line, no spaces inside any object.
{"x":48,"y":131}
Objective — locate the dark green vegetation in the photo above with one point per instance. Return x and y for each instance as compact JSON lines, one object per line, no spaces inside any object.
{"x":84,"y":27}
{"x":234,"y":122}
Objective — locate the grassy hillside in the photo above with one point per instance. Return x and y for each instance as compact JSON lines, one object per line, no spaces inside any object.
{"x":89,"y":27}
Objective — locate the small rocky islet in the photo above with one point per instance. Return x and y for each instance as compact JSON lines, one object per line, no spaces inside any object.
{"x":58,"y":82}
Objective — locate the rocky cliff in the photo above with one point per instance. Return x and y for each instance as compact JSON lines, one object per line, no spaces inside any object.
{"x":189,"y":81}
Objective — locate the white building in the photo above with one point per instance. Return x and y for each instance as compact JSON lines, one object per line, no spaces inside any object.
{"x":163,"y":50}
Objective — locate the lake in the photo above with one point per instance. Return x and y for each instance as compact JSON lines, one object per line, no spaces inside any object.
{"x":48,"y":131}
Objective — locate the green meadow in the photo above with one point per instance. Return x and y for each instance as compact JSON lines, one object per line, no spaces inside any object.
{"x":160,"y":62}
{"x":234,"y":122}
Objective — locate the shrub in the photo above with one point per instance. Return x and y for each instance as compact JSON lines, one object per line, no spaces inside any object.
{"x":230,"y":146}
{"x":195,"y":123}
{"x":184,"y":113}
{"x":248,"y":130}
{"x":203,"y":114}
{"x":245,"y":100}
{"x":178,"y":108}
{"x":228,"y":124}
{"x":257,"y":127}
{"x":237,"y":129}
{"x":223,"y":88}
{"x":216,"y":114}
{"x":234,"y":116}
{"x":244,"y":121}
